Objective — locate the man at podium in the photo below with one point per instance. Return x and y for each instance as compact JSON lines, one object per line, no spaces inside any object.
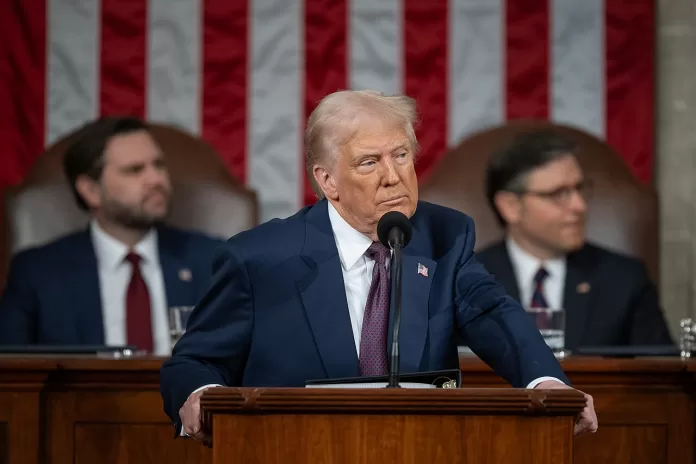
{"x":307,"y":297}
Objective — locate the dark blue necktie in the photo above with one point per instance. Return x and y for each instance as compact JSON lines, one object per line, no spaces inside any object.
{"x":538,"y":300}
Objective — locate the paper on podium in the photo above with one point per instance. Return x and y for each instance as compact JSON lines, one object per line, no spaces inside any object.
{"x":448,"y":378}
{"x":371,"y":385}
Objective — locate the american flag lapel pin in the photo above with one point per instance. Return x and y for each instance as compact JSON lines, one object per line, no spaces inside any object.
{"x":185,"y":275}
{"x":583,"y":287}
{"x":422,"y":270}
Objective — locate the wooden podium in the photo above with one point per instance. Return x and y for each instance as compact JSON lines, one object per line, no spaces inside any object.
{"x":384,"y":426}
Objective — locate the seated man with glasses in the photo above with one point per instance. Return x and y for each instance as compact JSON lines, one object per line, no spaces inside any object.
{"x":538,"y":192}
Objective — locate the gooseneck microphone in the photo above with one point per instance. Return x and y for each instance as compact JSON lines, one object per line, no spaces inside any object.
{"x":394,"y":231}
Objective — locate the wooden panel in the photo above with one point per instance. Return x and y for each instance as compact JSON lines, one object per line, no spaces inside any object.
{"x":115,"y":427}
{"x":134,"y":443}
{"x":4,"y":452}
{"x":624,"y":444}
{"x":20,"y":440}
{"x":386,"y":439}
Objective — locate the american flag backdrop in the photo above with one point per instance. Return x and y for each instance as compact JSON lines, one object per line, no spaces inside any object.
{"x":244,"y":74}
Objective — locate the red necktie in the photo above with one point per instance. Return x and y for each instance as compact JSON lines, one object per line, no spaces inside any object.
{"x":138,"y":322}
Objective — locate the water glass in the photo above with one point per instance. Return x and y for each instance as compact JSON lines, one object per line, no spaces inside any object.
{"x":687,"y":339}
{"x":178,"y":318}
{"x":551,"y":323}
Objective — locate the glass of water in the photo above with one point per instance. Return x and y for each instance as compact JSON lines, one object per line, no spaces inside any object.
{"x":178,"y":318}
{"x":551,"y":324}
{"x":687,"y":337}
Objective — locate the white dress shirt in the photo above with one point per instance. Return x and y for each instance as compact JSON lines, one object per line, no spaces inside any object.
{"x":525,"y":267}
{"x":114,"y":276}
{"x":356,"y":267}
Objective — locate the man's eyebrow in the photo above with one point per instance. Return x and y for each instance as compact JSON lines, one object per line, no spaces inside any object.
{"x":402,"y":146}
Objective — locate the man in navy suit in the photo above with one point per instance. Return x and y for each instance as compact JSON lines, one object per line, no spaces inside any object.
{"x":538,"y":192}
{"x":304,"y":297}
{"x":113,"y":282}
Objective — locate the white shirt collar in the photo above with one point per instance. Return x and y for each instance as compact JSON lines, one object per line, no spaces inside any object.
{"x":351,"y":244}
{"x":526,"y":265}
{"x":111,"y":253}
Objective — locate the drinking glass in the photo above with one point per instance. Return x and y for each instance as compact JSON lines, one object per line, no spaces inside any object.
{"x":687,"y":339}
{"x":178,"y":318}
{"x":551,"y":323}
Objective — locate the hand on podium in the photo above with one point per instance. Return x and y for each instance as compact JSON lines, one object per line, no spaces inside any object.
{"x":190,"y":414}
{"x":587,"y":422}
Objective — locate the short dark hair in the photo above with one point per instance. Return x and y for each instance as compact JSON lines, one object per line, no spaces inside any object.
{"x":85,"y":156}
{"x":509,"y":167}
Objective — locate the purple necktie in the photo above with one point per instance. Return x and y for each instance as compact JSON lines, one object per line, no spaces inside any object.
{"x":373,"y":340}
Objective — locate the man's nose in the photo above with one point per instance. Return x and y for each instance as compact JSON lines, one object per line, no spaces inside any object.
{"x":155,"y":175}
{"x":578,"y":202}
{"x":390,"y":176}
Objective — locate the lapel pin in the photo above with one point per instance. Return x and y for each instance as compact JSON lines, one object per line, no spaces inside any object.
{"x":185,"y":275}
{"x":422,"y":270}
{"x":583,"y":287}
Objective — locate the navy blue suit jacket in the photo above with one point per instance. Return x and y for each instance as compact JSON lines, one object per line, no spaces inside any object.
{"x":52,"y":294}
{"x":619,"y":304}
{"x":277,"y":315}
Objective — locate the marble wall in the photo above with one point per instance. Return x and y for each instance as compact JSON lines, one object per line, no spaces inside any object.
{"x":675,"y":156}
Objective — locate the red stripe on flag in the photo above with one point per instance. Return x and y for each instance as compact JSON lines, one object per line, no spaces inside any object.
{"x":22,"y":87}
{"x":224,"y":81}
{"x":426,"y":79}
{"x":325,"y":58}
{"x":630,"y":69}
{"x":527,"y":59}
{"x":123,"y":54}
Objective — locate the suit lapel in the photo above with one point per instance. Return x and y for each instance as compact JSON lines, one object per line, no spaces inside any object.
{"x":414,"y":303}
{"x":324,"y":296}
{"x":578,"y":296}
{"x":178,"y":278}
{"x":86,"y":291}
{"x":500,"y":265}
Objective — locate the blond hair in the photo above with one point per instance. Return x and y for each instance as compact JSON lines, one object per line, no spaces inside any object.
{"x":337,"y":118}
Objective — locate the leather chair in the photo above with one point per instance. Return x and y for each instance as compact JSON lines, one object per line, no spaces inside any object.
{"x":206,"y":197}
{"x":623,"y":213}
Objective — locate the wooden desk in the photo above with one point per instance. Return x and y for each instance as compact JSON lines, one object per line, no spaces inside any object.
{"x":80,"y":410}
{"x":87,"y":410}
{"x":645,"y":407}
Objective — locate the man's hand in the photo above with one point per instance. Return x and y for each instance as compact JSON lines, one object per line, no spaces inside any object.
{"x":190,"y":414}
{"x":587,"y":422}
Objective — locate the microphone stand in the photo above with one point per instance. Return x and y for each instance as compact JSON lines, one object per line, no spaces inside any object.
{"x":395,"y":302}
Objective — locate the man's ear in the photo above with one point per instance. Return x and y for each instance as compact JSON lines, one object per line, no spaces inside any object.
{"x":90,"y":190}
{"x":509,"y":206}
{"x":326,"y":182}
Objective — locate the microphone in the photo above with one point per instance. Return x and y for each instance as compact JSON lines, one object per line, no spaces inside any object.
{"x":394,"y":231}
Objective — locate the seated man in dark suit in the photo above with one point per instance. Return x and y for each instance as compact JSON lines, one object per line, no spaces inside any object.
{"x":307,"y":297}
{"x":112,"y":283}
{"x":537,"y":189}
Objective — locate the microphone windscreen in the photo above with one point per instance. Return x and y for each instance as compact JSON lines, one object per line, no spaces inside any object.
{"x":388,"y":222}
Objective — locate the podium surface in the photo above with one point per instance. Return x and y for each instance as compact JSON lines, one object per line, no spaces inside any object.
{"x":345,"y":426}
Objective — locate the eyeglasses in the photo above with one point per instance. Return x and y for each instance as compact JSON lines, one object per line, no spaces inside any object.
{"x":562,"y":195}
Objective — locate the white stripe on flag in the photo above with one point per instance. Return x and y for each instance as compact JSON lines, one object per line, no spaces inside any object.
{"x":375,"y":37}
{"x":476,"y":75}
{"x":275,"y":105}
{"x":577,"y":61}
{"x":72,"y":83}
{"x":174,"y":63}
